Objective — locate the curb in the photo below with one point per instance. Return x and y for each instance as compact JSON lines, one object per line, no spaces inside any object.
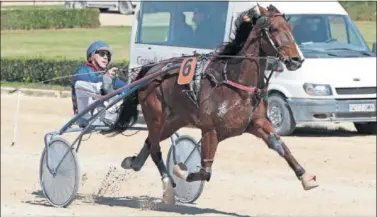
{"x":38,"y":92}
{"x":53,"y":94}
{"x":50,"y":94}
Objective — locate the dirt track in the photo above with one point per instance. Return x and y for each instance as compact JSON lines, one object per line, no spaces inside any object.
{"x":248,"y":178}
{"x":112,"y":18}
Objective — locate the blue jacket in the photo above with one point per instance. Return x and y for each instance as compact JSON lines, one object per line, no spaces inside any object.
{"x":88,"y":73}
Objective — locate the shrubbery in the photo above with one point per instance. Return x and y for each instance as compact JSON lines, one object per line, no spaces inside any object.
{"x":360,"y":10}
{"x":50,"y":17}
{"x":47,"y":18}
{"x":33,"y":70}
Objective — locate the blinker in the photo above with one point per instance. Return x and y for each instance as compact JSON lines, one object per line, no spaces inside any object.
{"x":275,"y":65}
{"x":262,"y":22}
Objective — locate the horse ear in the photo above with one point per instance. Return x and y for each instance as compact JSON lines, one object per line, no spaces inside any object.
{"x":254,"y":11}
{"x":263,"y":11}
{"x":272,"y":8}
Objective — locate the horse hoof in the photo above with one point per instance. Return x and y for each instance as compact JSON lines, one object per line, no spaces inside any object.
{"x":180,"y":170}
{"x":127,"y":163}
{"x":168,"y":196}
{"x":309,"y":182}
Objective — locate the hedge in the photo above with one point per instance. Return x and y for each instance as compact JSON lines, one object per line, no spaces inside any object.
{"x":360,"y":10}
{"x":33,"y":70}
{"x":49,"y":18}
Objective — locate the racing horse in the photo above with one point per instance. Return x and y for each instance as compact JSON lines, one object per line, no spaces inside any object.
{"x":231,"y":98}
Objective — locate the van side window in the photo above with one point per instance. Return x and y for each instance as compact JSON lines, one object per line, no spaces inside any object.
{"x":155,"y":28}
{"x":327,"y":35}
{"x":182,"y":24}
{"x":309,"y":29}
{"x":339,"y":31}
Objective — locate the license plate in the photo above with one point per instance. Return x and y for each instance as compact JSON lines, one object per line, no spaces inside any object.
{"x":361,"y":108}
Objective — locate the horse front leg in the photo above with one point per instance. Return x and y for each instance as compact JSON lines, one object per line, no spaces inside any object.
{"x":208,"y":151}
{"x":262,"y":128}
{"x":155,"y":120}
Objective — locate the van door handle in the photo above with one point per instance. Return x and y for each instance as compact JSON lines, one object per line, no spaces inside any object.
{"x":149,"y":48}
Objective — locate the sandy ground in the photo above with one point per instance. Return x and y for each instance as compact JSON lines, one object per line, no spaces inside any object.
{"x":248,"y":178}
{"x":113,"y":18}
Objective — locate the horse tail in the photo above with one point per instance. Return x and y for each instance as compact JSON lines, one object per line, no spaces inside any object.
{"x":129,"y":113}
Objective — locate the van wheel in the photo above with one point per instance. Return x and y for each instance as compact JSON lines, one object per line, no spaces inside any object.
{"x":103,"y":10}
{"x":124,"y":8}
{"x":280,"y":115}
{"x":67,"y":4}
{"x":366,"y":128}
{"x":79,"y":5}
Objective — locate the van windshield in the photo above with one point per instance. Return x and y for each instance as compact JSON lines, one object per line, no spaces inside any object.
{"x":182,"y":24}
{"x":332,"y":35}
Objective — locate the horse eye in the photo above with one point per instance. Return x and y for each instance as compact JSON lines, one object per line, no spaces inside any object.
{"x":273,"y":29}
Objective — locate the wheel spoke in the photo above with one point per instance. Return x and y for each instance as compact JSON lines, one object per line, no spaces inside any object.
{"x":61,"y":189}
{"x":186,"y":192}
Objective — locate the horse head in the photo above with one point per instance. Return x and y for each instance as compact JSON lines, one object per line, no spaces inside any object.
{"x":276,"y":35}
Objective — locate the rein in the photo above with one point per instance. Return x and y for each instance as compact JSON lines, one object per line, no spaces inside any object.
{"x":250,"y":90}
{"x":277,"y":48}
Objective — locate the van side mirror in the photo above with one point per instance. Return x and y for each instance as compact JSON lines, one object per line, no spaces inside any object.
{"x":274,"y":64}
{"x":374,"y":48}
{"x":137,"y":16}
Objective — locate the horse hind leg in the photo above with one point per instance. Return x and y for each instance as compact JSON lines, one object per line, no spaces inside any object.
{"x":155,"y":120}
{"x":262,"y":128}
{"x":137,"y":162}
{"x":208,"y":151}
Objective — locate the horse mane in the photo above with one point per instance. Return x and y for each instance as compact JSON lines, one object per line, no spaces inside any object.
{"x":241,"y":32}
{"x":243,"y":29}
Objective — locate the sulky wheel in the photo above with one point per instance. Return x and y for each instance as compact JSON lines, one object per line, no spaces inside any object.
{"x":186,"y":151}
{"x":60,"y":185}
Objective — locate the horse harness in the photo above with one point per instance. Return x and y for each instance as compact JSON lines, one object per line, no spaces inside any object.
{"x":203,"y":61}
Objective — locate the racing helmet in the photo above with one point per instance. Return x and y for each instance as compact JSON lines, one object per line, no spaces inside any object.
{"x":98,"y":45}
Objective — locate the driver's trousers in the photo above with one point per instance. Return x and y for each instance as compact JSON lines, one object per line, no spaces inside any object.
{"x":86,"y":94}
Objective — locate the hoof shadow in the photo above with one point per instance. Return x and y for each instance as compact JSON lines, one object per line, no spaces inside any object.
{"x":323,"y":131}
{"x":155,"y":204}
{"x":40,"y":199}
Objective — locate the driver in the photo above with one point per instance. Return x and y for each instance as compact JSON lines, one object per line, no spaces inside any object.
{"x":208,"y":34}
{"x":93,"y":80}
{"x":183,"y":31}
{"x":202,"y":33}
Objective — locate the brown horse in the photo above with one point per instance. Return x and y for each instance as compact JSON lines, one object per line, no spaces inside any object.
{"x":230,"y":97}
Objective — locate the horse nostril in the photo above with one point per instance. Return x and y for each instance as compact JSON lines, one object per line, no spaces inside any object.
{"x":296,"y":59}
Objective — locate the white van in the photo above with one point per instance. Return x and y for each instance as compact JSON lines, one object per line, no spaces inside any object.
{"x":337,"y":82}
{"x":124,"y":7}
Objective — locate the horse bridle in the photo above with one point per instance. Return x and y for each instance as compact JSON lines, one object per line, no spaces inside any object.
{"x":266,"y":30}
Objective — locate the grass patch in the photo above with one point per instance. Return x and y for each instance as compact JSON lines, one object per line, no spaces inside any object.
{"x":68,"y":43}
{"x":368,"y":30}
{"x":34,"y":86}
{"x":26,"y":7}
{"x":72,"y":43}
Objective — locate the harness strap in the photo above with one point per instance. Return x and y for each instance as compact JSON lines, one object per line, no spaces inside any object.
{"x":250,"y":90}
